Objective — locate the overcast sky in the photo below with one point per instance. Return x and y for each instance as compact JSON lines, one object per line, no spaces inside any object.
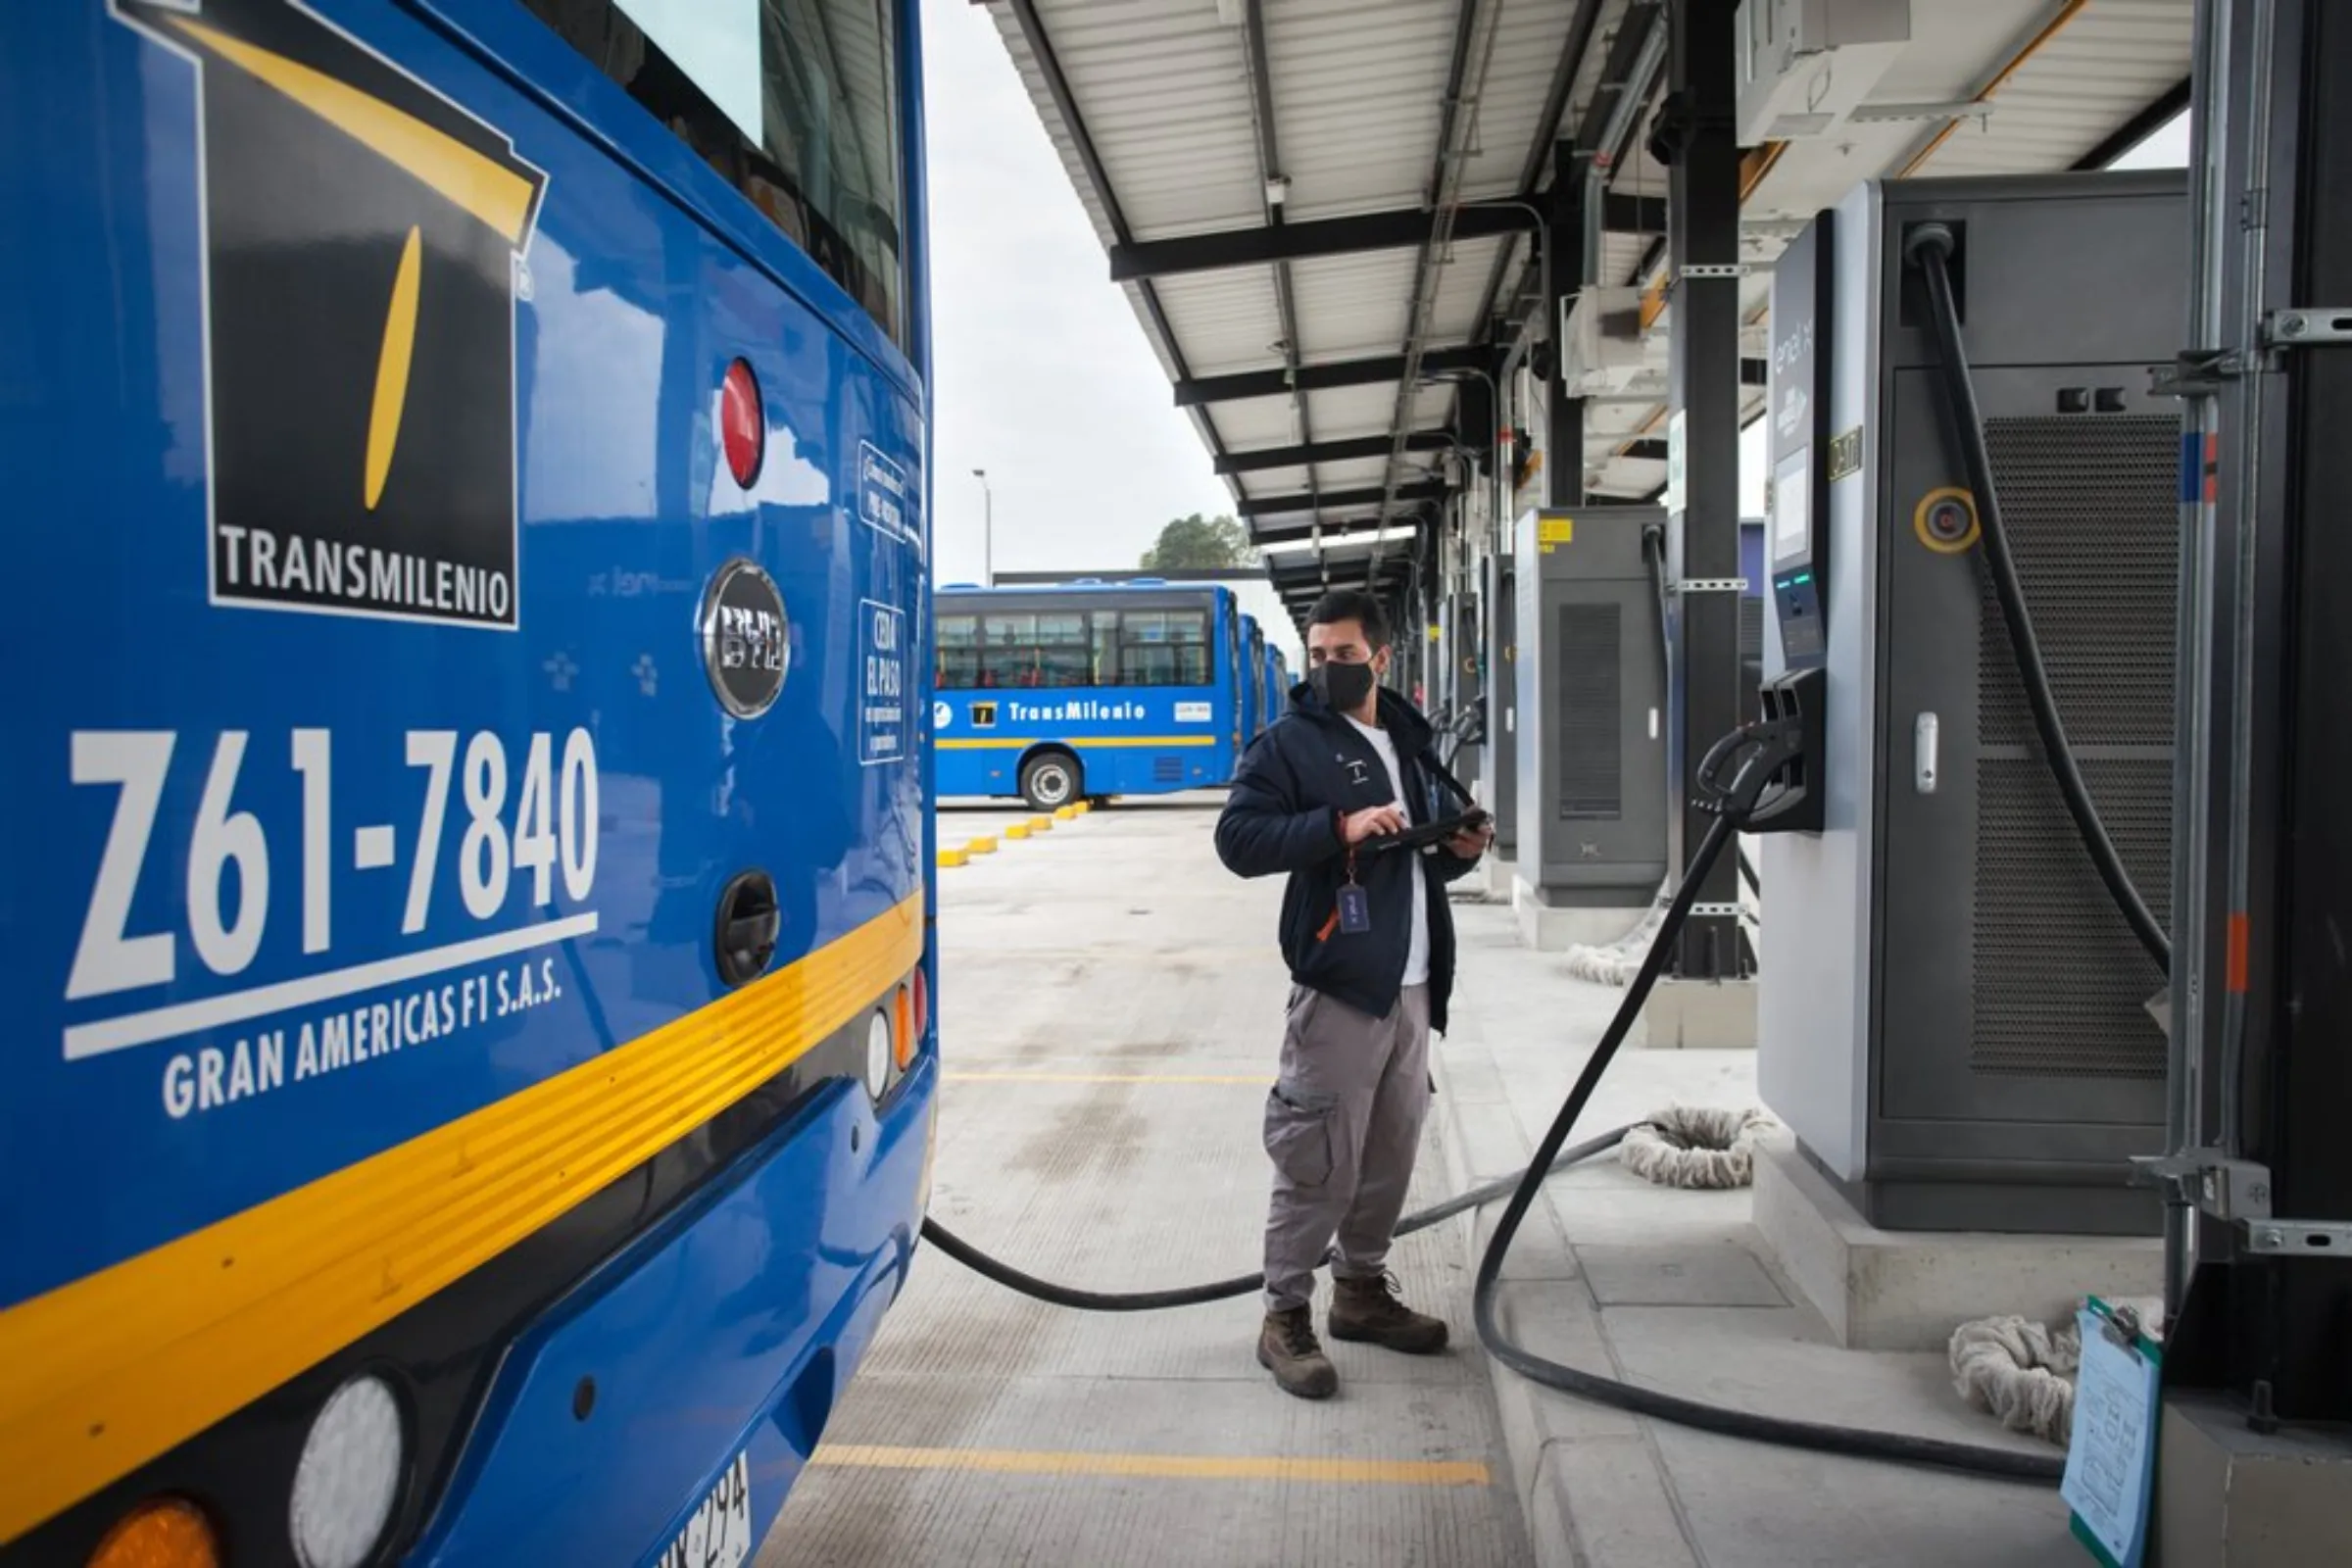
{"x":1043,"y":377}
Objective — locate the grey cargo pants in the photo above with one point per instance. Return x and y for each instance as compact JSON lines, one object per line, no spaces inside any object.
{"x":1343,"y":1127}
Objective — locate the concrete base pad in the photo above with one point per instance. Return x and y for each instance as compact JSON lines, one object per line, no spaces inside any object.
{"x":2227,"y":1497}
{"x":1554,"y":928}
{"x":1700,"y":1016}
{"x":1907,"y":1291}
{"x":1501,"y":872}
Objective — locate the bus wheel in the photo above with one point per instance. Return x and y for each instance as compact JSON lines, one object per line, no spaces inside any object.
{"x":1049,"y":780}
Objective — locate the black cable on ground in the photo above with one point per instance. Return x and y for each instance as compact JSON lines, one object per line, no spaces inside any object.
{"x":1897,"y":1447}
{"x":1029,"y":1285}
{"x":1929,"y":248}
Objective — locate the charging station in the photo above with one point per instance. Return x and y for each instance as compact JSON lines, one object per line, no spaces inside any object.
{"x":1954,"y":1019}
{"x":1591,"y":793}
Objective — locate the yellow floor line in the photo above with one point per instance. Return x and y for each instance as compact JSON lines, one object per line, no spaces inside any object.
{"x":1107,"y":1078}
{"x":1161,"y":1466}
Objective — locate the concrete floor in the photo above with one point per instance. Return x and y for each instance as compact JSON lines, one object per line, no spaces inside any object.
{"x":1112,"y":1004}
{"x":1112,"y":1001}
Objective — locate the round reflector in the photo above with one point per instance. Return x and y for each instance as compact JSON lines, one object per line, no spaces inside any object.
{"x":742,"y":423}
{"x":349,"y":1475}
{"x":159,"y":1533}
{"x":877,"y":1054}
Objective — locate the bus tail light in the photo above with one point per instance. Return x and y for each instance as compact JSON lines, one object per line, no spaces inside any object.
{"x":742,"y":423}
{"x":349,"y":1475}
{"x":159,"y":1533}
{"x":922,"y":1006}
{"x":905,"y":1019}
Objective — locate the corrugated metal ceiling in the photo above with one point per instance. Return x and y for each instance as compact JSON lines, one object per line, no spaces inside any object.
{"x":1154,"y":106}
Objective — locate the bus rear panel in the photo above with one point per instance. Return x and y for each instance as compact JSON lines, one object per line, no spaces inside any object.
{"x":470,"y":987}
{"x":1089,"y":691}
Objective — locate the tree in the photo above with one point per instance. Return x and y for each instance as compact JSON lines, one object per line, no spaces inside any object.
{"x":1190,"y":544}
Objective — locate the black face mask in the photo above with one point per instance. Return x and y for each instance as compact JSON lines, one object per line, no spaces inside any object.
{"x":1342,"y":687}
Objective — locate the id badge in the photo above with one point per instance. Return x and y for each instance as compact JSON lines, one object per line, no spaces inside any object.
{"x":1356,"y":909}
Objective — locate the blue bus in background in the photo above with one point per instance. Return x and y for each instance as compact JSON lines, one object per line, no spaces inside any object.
{"x":1251,"y":678}
{"x":1277,"y":674}
{"x":1057,"y":694}
{"x":471,"y":1069}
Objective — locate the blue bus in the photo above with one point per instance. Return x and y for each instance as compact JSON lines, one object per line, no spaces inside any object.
{"x":1057,"y":694}
{"x":1250,"y":678}
{"x":471,"y":1069}
{"x":1277,"y":697}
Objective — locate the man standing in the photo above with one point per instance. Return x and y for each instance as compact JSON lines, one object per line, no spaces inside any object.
{"x":1369,"y":939}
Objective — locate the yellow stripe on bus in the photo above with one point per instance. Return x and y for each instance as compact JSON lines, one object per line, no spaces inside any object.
{"x":101,"y":1374}
{"x":1077,"y":743}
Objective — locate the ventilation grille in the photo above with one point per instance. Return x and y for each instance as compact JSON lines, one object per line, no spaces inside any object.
{"x":1167,"y":768}
{"x":2090,"y":511}
{"x":1591,"y":727}
{"x":2090,"y":508}
{"x":2061,"y":984}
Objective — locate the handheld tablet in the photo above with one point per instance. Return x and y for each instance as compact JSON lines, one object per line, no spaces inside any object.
{"x":1429,"y":833}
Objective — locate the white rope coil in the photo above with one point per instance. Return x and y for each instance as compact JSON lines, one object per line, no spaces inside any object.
{"x":2022,"y":1373}
{"x":1696,"y":1147}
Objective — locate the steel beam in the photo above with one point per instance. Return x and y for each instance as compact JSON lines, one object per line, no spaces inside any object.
{"x":1696,"y":132}
{"x":1564,"y":279}
{"x":1298,"y":242}
{"x":1193,"y":391}
{"x":2132,"y":133}
{"x":1339,"y":500}
{"x":1353,"y":451}
{"x":1402,"y":229}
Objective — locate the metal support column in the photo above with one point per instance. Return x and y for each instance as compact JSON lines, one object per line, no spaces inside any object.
{"x":1563,"y":242}
{"x":2258,"y":995}
{"x":1695,"y":135}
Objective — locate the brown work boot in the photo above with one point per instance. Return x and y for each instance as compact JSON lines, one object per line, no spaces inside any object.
{"x":1369,"y":1310}
{"x":1286,"y":1348}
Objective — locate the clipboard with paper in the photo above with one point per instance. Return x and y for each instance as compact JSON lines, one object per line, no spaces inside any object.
{"x":2111,"y":1454}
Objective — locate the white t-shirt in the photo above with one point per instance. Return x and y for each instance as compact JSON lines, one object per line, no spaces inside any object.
{"x":1416,"y":955}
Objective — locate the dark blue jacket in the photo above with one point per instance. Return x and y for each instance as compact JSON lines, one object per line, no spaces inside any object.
{"x":1283,"y":815}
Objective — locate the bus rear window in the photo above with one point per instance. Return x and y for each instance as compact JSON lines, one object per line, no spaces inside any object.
{"x":794,"y":102}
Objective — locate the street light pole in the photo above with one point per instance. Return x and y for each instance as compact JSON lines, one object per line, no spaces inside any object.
{"x":988,"y":530}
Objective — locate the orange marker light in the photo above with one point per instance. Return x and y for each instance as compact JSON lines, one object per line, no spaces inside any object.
{"x":159,"y":1533}
{"x":905,"y":1021}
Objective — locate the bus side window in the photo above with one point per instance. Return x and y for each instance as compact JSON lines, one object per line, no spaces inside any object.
{"x":958,"y":665}
{"x":1106,"y":647}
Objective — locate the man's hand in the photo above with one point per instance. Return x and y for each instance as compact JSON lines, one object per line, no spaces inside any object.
{"x":1370,"y":822}
{"x":1471,"y":841}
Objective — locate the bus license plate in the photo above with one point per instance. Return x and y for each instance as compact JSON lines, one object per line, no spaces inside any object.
{"x":719,"y":1534}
